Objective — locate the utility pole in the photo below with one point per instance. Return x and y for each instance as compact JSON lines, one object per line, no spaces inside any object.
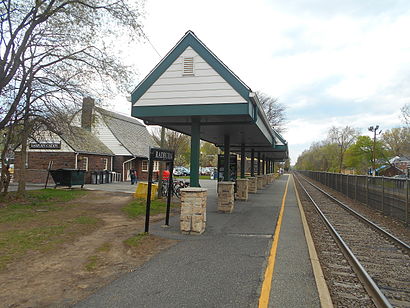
{"x":374,"y":130}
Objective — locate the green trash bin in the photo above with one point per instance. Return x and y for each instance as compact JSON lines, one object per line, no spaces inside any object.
{"x":68,"y":177}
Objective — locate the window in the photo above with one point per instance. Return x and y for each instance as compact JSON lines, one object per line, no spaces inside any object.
{"x":82,"y":163}
{"x":188,"y":66}
{"x":144,"y":165}
{"x":105,"y":163}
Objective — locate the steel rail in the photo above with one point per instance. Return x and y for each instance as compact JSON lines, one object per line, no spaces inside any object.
{"x":371,"y":287}
{"x":390,"y":236}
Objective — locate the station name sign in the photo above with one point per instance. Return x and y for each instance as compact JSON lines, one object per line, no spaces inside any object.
{"x":45,"y":145}
{"x":161,"y":154}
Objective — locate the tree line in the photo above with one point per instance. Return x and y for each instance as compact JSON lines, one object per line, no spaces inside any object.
{"x":345,"y":148}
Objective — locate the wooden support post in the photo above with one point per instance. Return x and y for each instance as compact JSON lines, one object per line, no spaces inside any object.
{"x":259,"y":163}
{"x":243,"y":160}
{"x":263,"y":164}
{"x":252,"y":162}
{"x":226,"y":158}
{"x":195,"y":152}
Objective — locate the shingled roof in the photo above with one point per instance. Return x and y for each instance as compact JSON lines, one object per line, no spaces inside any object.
{"x":83,"y":141}
{"x":133,"y":135}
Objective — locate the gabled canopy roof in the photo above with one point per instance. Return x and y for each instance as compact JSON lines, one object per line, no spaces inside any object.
{"x":240,"y":115}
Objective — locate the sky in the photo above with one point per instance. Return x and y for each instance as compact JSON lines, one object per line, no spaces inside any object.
{"x":330,"y":62}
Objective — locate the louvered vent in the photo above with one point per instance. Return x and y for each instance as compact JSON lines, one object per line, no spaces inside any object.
{"x":188,"y":66}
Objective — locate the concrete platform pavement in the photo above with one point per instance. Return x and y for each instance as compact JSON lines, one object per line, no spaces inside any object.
{"x":225,"y":266}
{"x":293,"y":281}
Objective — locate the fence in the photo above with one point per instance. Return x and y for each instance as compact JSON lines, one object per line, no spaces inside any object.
{"x":387,"y":195}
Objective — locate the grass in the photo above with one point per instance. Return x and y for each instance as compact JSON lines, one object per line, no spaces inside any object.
{"x":135,"y":240}
{"x":106,"y":247}
{"x":41,"y":221}
{"x":15,"y":243}
{"x":92,"y":263}
{"x":95,"y":261}
{"x":86,"y":220}
{"x":35,"y":203}
{"x":137,"y":207}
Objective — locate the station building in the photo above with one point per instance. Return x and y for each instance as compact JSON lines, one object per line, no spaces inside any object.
{"x":97,"y":140}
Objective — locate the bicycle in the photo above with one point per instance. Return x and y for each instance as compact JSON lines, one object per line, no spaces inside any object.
{"x":176,"y":188}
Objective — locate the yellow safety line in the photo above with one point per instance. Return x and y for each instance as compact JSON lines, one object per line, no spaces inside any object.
{"x":267,"y":281}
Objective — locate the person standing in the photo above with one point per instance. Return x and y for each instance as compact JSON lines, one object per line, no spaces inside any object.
{"x":165,"y":175}
{"x":133,"y":176}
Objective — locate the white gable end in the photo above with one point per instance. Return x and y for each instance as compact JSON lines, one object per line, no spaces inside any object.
{"x":204,"y":86}
{"x":105,"y":135}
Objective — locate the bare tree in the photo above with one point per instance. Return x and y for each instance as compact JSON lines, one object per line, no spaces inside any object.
{"x":344,"y":138}
{"x":54,"y":40}
{"x":275,"y":111}
{"x":397,"y":141}
{"x":173,"y":140}
{"x":53,"y":52}
{"x":405,"y":113}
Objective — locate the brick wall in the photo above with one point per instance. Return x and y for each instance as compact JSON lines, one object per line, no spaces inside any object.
{"x":40,"y":160}
{"x":38,"y":164}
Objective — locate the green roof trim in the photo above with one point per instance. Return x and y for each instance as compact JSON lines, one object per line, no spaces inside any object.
{"x":190,"y":40}
{"x":191,"y":110}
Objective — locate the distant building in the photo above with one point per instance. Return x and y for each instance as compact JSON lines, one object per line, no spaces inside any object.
{"x":389,"y":171}
{"x":402,"y":163}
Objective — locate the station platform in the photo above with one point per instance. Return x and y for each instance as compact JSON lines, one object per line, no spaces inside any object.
{"x":226,"y":265}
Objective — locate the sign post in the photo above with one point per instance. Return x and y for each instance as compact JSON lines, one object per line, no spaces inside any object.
{"x":157,"y":154}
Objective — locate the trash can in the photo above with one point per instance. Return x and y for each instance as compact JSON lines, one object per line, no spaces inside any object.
{"x":68,"y":177}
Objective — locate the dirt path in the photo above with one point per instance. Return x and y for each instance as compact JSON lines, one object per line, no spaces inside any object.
{"x":74,"y":271}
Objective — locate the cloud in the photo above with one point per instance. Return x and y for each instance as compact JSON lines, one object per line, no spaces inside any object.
{"x":340,"y":62}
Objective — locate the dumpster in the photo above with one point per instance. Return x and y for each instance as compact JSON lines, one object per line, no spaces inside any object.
{"x":142,"y":189}
{"x":68,"y":177}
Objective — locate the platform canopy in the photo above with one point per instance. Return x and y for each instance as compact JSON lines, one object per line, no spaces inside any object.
{"x":193,"y":92}
{"x":190,"y":81}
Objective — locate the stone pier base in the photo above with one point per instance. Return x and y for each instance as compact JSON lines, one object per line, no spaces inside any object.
{"x":226,"y":196}
{"x":242,"y":189}
{"x":252,"y":185}
{"x":193,"y":210}
{"x":265,"y":180}
{"x":260,"y":181}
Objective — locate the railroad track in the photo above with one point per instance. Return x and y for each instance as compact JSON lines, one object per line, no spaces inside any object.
{"x":379,"y":260}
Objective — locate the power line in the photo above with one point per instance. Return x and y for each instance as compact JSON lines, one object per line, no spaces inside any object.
{"x":152,"y":45}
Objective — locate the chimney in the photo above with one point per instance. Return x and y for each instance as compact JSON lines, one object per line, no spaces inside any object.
{"x":87,"y":118}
